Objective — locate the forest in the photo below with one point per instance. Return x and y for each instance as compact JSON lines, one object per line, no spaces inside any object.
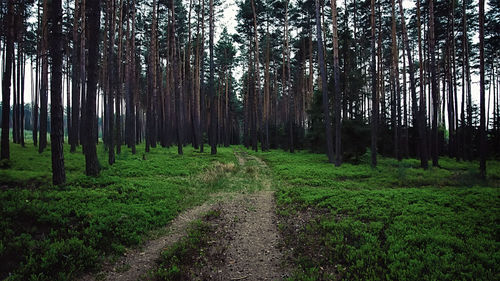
{"x":250,"y":140}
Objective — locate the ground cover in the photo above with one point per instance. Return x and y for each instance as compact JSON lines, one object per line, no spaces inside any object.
{"x":54,"y":233}
{"x":394,"y":222}
{"x":239,"y":239}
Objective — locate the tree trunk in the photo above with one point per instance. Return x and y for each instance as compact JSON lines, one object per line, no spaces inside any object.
{"x":91,"y":161}
{"x":213,"y":105}
{"x":374,"y":119}
{"x":265,"y":140}
{"x":422,"y":112}
{"x":45,"y":82}
{"x":56,"y":103}
{"x":482,"y":121}
{"x":15,"y":90}
{"x":395,"y":81}
{"x":130,"y":106}
{"x":324,"y":87}
{"x":434,"y":87}
{"x":111,"y":81}
{"x":68,"y":89}
{"x":75,"y":75}
{"x":336,"y":82}
{"x":289,"y":83}
{"x":178,"y":86}
{"x":404,"y":137}
{"x":83,"y":75}
{"x":37,"y":80}
{"x":9,"y":27}
{"x":21,"y":82}
{"x":119,"y":86}
{"x":256,"y":61}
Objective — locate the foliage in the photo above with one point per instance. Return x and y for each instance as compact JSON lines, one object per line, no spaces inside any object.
{"x":54,"y":233}
{"x":177,"y":261}
{"x":355,"y":134}
{"x":394,"y":222}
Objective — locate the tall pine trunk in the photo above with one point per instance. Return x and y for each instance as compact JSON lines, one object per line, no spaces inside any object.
{"x":434,"y":88}
{"x":324,"y":87}
{"x":75,"y":75}
{"x":213,"y":100}
{"x":45,"y":81}
{"x":91,"y":162}
{"x":56,"y":103}
{"x":482,"y":121}
{"x":177,"y":86}
{"x":336,"y":82}
{"x":37,"y":78}
{"x":83,"y":74}
{"x":256,"y":62}
{"x":422,"y":124}
{"x":374,"y":119}
{"x":9,"y":27}
{"x":119,"y":86}
{"x":396,"y":86}
{"x":111,"y":81}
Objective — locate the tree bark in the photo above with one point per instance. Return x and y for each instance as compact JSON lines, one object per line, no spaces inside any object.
{"x":374,"y":119}
{"x":111,"y":81}
{"x":324,"y":87}
{"x":213,"y":103}
{"x":422,"y":112}
{"x":45,"y":82}
{"x":119,"y":86}
{"x":9,"y":27}
{"x":336,"y":82}
{"x":75,"y":75}
{"x":91,"y":161}
{"x":482,"y":120}
{"x":434,"y":87}
{"x":83,"y":73}
{"x":178,"y":85}
{"x":37,"y":79}
{"x":56,"y":103}
{"x":395,"y":79}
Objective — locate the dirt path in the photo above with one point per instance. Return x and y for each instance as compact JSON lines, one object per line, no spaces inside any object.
{"x":252,"y":251}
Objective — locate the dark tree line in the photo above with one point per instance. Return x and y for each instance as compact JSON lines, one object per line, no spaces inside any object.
{"x":333,"y":77}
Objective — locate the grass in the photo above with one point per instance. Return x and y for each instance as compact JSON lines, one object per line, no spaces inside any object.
{"x":186,"y":258}
{"x":394,"y":222}
{"x":55,"y":233}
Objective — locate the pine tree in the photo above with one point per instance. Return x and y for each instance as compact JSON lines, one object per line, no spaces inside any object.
{"x":324,"y":88}
{"x":482,"y":124}
{"x":336,"y":83}
{"x":56,"y":104}
{"x":45,"y":80}
{"x":9,"y":27}
{"x":374,"y":117}
{"x":93,"y":13}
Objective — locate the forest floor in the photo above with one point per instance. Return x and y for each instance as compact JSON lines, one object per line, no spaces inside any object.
{"x":245,"y":215}
{"x":250,"y":248}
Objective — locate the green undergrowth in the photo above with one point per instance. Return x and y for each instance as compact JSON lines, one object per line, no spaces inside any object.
{"x":307,"y":169}
{"x":55,"y":233}
{"x":186,"y":259}
{"x":394,"y":222}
